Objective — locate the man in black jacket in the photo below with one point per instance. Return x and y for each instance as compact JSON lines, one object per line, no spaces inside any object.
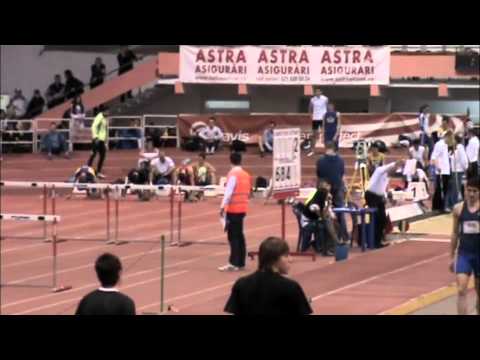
{"x":126,"y":58}
{"x":268,"y":292}
{"x":107,"y":300}
{"x":331,"y":167}
{"x":73,"y":86}
{"x":55,"y":93}
{"x":35,"y":106}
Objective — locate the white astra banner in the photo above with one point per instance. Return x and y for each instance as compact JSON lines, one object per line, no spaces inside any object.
{"x":285,"y":65}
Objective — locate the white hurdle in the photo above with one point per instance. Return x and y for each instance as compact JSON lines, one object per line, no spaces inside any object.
{"x":169,"y":191}
{"x":52,"y":219}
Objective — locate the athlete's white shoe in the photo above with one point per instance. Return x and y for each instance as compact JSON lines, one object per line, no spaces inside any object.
{"x":228,"y":268}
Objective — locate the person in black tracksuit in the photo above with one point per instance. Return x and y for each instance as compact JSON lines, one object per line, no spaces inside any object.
{"x":126,"y":58}
{"x":317,"y":220}
{"x":107,"y":300}
{"x":268,"y":291}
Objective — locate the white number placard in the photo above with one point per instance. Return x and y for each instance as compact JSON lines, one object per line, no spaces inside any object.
{"x":287,"y":166}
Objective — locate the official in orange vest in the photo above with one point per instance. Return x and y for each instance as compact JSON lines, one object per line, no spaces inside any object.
{"x":235,"y":207}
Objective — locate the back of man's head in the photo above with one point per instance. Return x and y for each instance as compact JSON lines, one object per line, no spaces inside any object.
{"x":330,"y":147}
{"x":236,"y":158}
{"x":108,"y":268}
{"x":271,"y":250}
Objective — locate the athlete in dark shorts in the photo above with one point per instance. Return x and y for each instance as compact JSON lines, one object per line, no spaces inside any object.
{"x":465,"y":249}
{"x":331,"y":125}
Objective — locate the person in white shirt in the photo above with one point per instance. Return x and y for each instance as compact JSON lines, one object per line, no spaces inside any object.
{"x":458,"y":164}
{"x":441,"y":161}
{"x":318,"y":109}
{"x":375,"y":196}
{"x":419,"y":153}
{"x":19,"y":102}
{"x":77,"y":112}
{"x":425,"y":135}
{"x":265,"y":143}
{"x":472,"y":151}
{"x":162,"y":169}
{"x":211,"y":136}
{"x":415,"y":173}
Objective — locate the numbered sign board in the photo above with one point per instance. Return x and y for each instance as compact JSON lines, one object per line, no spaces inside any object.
{"x":418,"y":191}
{"x":287,"y":166}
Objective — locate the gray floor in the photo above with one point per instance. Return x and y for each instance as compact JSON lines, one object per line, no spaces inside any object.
{"x":448,"y":306}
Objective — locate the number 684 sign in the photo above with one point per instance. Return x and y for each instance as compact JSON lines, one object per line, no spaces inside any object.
{"x":287,"y":167}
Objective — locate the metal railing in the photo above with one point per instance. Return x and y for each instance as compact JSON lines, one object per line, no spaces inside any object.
{"x":120,"y":128}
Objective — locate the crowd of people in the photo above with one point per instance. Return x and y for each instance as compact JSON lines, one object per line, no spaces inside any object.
{"x":69,"y":88}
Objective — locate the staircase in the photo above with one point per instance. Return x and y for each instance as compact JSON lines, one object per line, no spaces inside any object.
{"x":143,"y":75}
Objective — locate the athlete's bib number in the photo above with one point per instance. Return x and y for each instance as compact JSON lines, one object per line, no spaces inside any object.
{"x":471,"y":227}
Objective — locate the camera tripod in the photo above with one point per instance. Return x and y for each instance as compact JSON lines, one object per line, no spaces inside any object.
{"x":359,"y":179}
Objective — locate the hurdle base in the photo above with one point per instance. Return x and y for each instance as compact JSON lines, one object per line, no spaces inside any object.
{"x":61,"y":289}
{"x":252,"y":255}
{"x":117,"y":243}
{"x":49,"y":241}
{"x":180,"y":244}
{"x":170,"y":309}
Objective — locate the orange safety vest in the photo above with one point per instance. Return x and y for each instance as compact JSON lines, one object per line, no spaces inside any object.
{"x":239,"y":200}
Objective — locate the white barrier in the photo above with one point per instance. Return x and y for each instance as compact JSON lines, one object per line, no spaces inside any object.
{"x":30,"y":218}
{"x":63,"y":185}
{"x":54,"y":220}
{"x":169,"y":191}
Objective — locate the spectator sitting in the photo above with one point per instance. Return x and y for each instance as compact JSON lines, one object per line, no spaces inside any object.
{"x":8,"y":126}
{"x":268,"y":292}
{"x":35,"y":106}
{"x":149,"y":154}
{"x":3,"y":128}
{"x":211,"y":136}
{"x":98,"y":73}
{"x":11,"y":114}
{"x":19,"y":103}
{"x":162,"y":169}
{"x":73,"y":86}
{"x":126,"y":58}
{"x":3,"y":118}
{"x":131,"y":133}
{"x":55,"y":93}
{"x":204,"y":173}
{"x":107,"y":300}
{"x":54,"y":142}
{"x":266,"y":141}
{"x":375,"y":158}
{"x":318,"y":219}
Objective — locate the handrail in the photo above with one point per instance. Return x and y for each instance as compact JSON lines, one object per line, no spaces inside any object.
{"x":37,"y":130}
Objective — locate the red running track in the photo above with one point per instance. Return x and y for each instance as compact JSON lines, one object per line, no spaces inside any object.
{"x":369,"y":283}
